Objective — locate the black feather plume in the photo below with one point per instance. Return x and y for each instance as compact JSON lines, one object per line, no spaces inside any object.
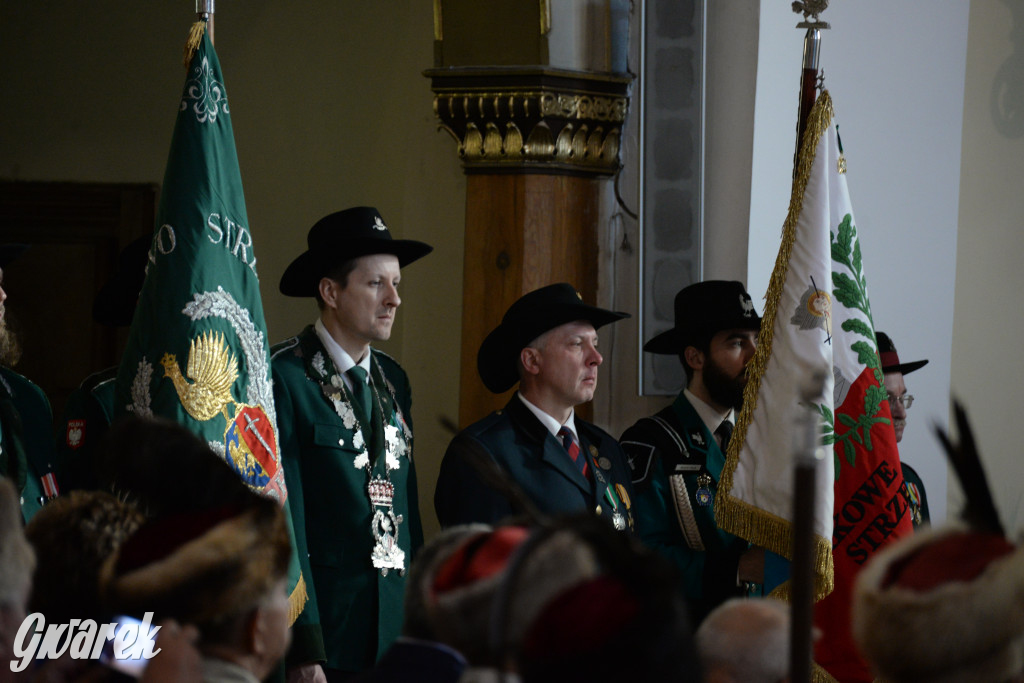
{"x":979,"y":510}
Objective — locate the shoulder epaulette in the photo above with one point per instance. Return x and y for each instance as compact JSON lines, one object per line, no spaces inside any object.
{"x":94,"y":380}
{"x":277,"y":348}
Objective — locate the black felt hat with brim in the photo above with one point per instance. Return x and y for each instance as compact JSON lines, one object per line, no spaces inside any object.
{"x":530,"y":316}
{"x":891,"y":360}
{"x":340,"y":237}
{"x":10,"y":252}
{"x":704,"y":309}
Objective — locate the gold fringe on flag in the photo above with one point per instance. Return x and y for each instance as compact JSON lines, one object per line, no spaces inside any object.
{"x":297,"y":600}
{"x":819,"y":675}
{"x":738,"y":517}
{"x":195,"y":39}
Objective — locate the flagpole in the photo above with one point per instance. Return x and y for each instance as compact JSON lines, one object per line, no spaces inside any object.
{"x":807,"y":451}
{"x":809,"y":74}
{"x":204,"y":8}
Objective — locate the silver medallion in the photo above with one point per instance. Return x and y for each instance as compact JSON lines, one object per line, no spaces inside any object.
{"x":386,"y":554}
{"x":618,"y":521}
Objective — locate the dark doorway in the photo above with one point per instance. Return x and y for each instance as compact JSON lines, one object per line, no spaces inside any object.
{"x":76,"y":231}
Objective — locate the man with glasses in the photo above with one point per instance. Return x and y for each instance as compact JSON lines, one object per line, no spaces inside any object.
{"x":899,"y":403}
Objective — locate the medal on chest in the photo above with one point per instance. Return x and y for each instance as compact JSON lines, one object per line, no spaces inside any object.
{"x":913,"y":497}
{"x":704,"y":495}
{"x":612,"y":498}
{"x":387,"y":553}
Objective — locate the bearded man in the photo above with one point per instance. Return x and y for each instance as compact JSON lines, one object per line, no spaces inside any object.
{"x":677,"y":455}
{"x":26,"y":438}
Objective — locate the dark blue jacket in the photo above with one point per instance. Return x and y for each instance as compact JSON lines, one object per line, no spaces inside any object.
{"x":524,"y":450}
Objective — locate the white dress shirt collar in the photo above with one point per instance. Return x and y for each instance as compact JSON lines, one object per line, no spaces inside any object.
{"x":549,"y":422}
{"x":708,"y":415}
{"x":339,"y":356}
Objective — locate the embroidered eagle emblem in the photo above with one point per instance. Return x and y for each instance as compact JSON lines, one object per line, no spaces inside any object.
{"x":212,"y":368}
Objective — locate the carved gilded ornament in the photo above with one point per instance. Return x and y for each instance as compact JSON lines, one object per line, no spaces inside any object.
{"x":520,"y":127}
{"x":532,"y":119}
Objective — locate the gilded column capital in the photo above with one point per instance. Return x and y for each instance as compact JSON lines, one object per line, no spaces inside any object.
{"x":532,"y":119}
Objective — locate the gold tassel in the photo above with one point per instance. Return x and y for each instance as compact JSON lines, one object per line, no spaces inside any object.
{"x":195,"y":39}
{"x":297,"y":600}
{"x":733,"y":515}
{"x":819,"y":675}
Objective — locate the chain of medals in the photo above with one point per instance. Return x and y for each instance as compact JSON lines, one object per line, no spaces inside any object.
{"x":387,"y":554}
{"x":610,"y":495}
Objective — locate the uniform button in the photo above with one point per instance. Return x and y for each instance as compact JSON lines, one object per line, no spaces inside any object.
{"x":341,"y":442}
{"x":598,"y":509}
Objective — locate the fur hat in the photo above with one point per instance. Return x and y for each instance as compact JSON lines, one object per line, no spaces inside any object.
{"x":73,"y":536}
{"x":474,"y":579}
{"x":201,"y":566}
{"x":463,"y":586}
{"x":418,"y":619}
{"x":944,"y":606}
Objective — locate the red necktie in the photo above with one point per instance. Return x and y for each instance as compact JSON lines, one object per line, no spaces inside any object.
{"x":573,"y":449}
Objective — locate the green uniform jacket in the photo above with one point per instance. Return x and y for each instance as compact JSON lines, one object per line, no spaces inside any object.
{"x":26,"y":439}
{"x":675,"y":442}
{"x":354,"y":612}
{"x":526,"y":451}
{"x":87,"y":417}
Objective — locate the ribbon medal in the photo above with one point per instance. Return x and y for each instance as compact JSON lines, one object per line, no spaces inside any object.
{"x":703,"y":495}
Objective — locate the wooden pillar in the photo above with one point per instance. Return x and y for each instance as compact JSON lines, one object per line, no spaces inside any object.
{"x":522,"y":232}
{"x":535,"y":143}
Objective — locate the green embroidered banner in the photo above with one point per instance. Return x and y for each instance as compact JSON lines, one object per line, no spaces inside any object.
{"x":197,"y":350}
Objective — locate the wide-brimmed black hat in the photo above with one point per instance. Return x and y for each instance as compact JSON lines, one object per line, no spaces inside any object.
{"x":115,"y":303}
{"x":340,"y":237}
{"x":9,"y":252}
{"x":530,"y":316}
{"x":702,"y":310}
{"x":891,"y":359}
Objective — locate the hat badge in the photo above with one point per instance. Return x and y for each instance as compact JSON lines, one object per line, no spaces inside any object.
{"x":378,"y":224}
{"x":747,"y":304}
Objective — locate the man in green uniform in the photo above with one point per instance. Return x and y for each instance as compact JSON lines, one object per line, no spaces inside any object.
{"x":677,"y":455}
{"x":346,"y":444}
{"x":26,"y":433}
{"x":90,"y":408}
{"x":547,"y":342}
{"x":899,"y":403}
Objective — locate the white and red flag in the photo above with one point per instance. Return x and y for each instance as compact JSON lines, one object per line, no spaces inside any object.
{"x":817,"y":318}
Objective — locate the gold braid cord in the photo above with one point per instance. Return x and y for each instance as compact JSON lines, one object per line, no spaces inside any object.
{"x":297,"y":600}
{"x":195,"y":39}
{"x":736,"y":516}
